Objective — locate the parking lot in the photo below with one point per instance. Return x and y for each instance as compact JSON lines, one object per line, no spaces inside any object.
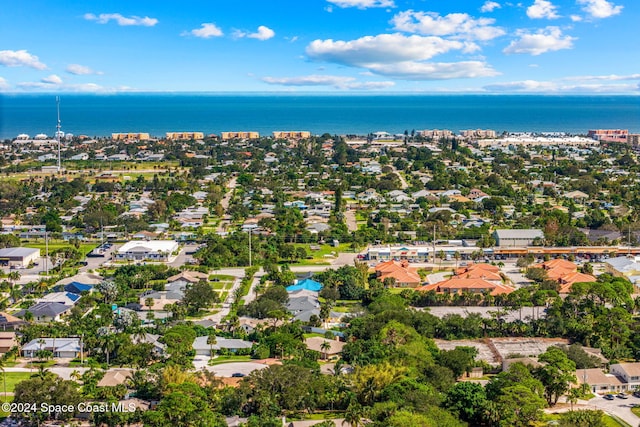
{"x":618,"y":407}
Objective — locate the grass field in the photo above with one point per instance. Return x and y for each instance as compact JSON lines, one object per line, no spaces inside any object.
{"x":84,"y":248}
{"x":228,"y":359}
{"x":13,"y":378}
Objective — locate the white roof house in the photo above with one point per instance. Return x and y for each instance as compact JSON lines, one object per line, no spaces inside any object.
{"x":153,"y":250}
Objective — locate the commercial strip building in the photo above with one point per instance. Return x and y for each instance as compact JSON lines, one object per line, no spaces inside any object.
{"x":18,"y":257}
{"x":424,"y":252}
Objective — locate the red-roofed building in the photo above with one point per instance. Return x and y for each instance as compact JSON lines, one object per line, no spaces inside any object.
{"x":567,"y":281}
{"x":480,"y":271}
{"x":404,"y":275}
{"x":457,"y":285}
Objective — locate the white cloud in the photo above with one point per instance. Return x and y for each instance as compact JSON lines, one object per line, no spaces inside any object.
{"x":206,"y":31}
{"x":489,"y":6}
{"x":542,"y":9}
{"x":459,"y":25}
{"x":535,"y":86}
{"x":400,"y":56}
{"x":4,"y":84}
{"x":610,"y":77}
{"x":411,"y":70}
{"x":80,"y":70}
{"x":338,"y":82}
{"x":544,"y":40}
{"x":123,"y":21}
{"x":576,"y":18}
{"x":52,"y":79}
{"x":600,"y":8}
{"x":263,"y":33}
{"x":41,"y":86}
{"x":362,"y":4}
{"x":20,"y":58}
{"x":387,"y":48}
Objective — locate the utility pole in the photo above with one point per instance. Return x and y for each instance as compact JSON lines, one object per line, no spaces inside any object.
{"x":434,"y":244}
{"x":46,"y":249}
{"x":250,"y":233}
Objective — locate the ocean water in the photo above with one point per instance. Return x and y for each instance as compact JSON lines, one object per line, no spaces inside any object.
{"x":100,"y":115}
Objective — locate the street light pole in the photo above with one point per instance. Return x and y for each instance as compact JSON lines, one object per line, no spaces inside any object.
{"x":250,"y":233}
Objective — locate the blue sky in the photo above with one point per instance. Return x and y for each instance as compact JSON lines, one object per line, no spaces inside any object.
{"x":422,"y":46}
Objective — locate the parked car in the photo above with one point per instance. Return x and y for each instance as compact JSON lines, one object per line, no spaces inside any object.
{"x":622,"y":396}
{"x":636,"y":393}
{"x":237,"y":375}
{"x":609,"y":396}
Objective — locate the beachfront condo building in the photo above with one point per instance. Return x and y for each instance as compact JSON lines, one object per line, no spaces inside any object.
{"x":184,"y":136}
{"x":225,"y":136}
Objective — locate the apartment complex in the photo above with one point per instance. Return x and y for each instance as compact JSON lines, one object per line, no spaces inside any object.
{"x":435,"y":133}
{"x":634,"y":139}
{"x":130,"y":136}
{"x":609,"y":135}
{"x":478,"y":133}
{"x":225,"y":136}
{"x":184,"y":136}
{"x":293,"y":134}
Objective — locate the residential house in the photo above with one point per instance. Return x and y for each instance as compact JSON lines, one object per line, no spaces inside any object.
{"x":60,"y":347}
{"x":158,"y":300}
{"x":115,"y":377}
{"x":7,"y":341}
{"x":328,"y":349}
{"x":229,"y":344}
{"x":48,"y":311}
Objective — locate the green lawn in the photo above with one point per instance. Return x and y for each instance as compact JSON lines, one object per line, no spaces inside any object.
{"x":222,"y":277}
{"x":611,"y":421}
{"x":229,"y":359}
{"x":84,"y":248}
{"x":13,"y":378}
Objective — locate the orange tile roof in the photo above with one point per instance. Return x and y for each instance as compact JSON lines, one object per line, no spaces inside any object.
{"x":557,"y":263}
{"x":456,"y":284}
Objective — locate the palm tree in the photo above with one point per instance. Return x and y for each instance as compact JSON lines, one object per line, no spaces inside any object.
{"x":13,"y":277}
{"x":4,"y":377}
{"x":325,"y":347}
{"x":211,"y":340}
{"x":573,"y":396}
{"x":354,"y":415}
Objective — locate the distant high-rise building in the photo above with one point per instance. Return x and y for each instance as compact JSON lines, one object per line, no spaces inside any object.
{"x":609,"y":135}
{"x":634,"y":139}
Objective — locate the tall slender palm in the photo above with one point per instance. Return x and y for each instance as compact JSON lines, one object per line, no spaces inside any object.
{"x":325,"y":347}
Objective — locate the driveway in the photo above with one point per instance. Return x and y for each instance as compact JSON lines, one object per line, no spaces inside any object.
{"x":228,"y":369}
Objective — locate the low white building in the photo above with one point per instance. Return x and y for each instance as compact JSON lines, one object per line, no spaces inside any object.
{"x":18,"y":257}
{"x":153,"y":250}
